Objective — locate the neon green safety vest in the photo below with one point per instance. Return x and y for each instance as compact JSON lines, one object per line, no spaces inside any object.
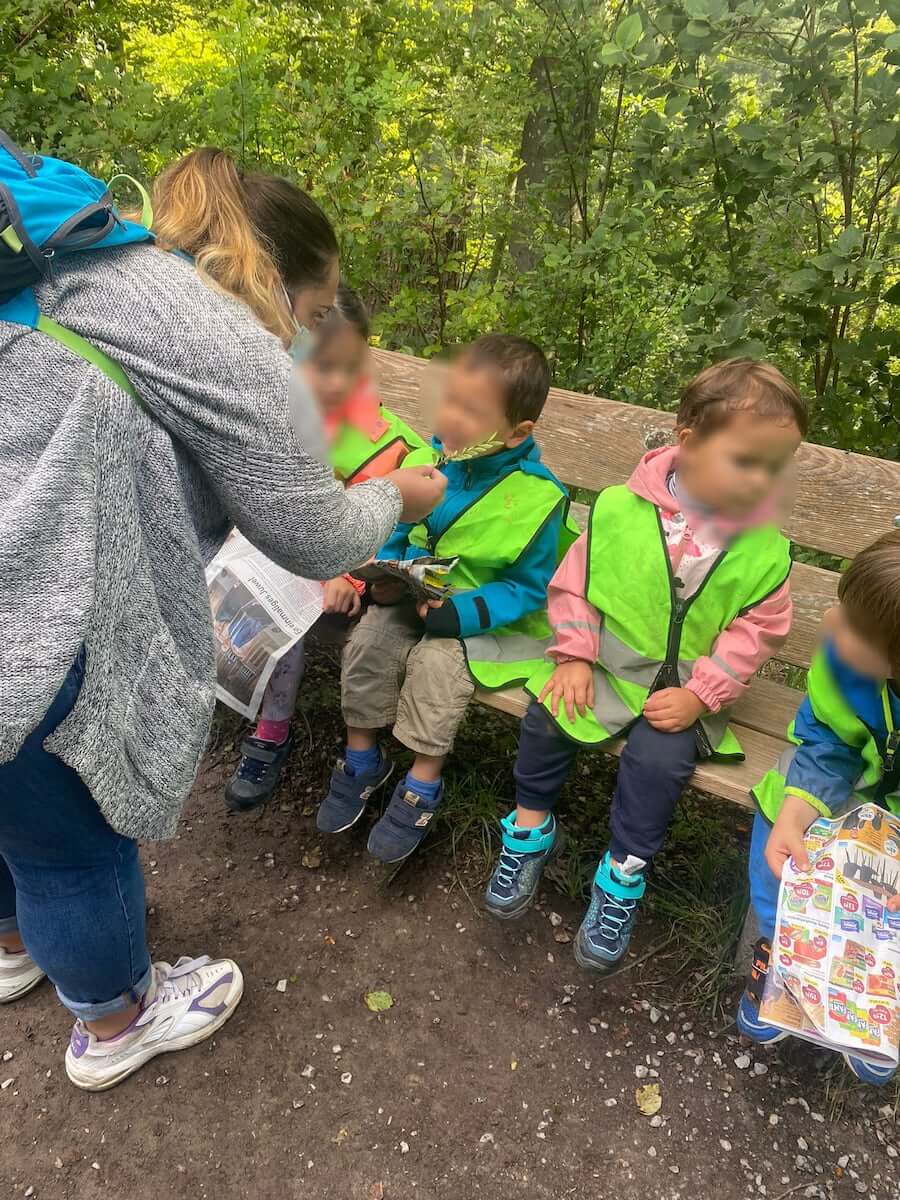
{"x":351,"y":451}
{"x":650,"y":638}
{"x":489,"y":537}
{"x":831,"y":708}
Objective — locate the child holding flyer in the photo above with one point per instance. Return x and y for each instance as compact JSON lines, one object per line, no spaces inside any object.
{"x":662,"y":612}
{"x":847,"y":753}
{"x":366,"y":441}
{"x":414,"y":667}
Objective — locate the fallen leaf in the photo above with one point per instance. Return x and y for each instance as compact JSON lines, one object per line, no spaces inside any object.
{"x":376,"y":1191}
{"x":342,"y":1135}
{"x":379,"y":1001}
{"x":648,"y":1098}
{"x":312,"y":858}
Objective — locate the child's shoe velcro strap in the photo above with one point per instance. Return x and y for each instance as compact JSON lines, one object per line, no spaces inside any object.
{"x":526,"y":841}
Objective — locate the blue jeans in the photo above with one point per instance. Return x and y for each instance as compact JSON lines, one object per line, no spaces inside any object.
{"x":70,"y":885}
{"x":763,"y":884}
{"x":653,"y":772}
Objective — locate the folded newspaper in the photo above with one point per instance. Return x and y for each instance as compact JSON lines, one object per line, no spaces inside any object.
{"x":424,"y":577}
{"x":260,"y":612}
{"x":835,"y":966}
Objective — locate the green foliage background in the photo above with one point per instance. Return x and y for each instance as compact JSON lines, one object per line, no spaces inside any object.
{"x":640,"y":187}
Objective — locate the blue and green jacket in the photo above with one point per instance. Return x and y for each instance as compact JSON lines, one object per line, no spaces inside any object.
{"x":825,"y":766}
{"x":522,"y":588}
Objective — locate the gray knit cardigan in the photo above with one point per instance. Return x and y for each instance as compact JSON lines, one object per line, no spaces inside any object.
{"x":109,"y":511}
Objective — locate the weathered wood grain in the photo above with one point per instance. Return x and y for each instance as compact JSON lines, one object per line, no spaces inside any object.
{"x":844,"y":500}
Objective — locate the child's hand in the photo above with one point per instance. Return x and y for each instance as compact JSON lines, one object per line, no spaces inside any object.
{"x":894,"y":904}
{"x":672,"y":710}
{"x":573,"y":683}
{"x":340,"y":596}
{"x":786,"y":839}
{"x":422,"y":609}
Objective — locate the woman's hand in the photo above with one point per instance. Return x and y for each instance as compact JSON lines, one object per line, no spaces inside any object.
{"x":421,"y":488}
{"x":672,"y":710}
{"x":786,"y":839}
{"x":573,"y":683}
{"x":340,"y":596}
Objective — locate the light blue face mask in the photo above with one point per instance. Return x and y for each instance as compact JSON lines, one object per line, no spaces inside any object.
{"x":304,"y":339}
{"x":302,"y":344}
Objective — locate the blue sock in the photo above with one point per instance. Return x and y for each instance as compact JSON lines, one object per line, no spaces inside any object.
{"x":428,"y":791}
{"x":360,"y":761}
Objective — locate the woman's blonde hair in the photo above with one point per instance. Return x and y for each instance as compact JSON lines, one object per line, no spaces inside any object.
{"x":255,"y":236}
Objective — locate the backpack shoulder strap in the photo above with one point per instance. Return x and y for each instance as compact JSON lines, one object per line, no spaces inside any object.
{"x":88,"y":351}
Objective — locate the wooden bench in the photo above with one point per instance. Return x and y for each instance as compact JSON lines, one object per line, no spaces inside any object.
{"x":843,"y":501}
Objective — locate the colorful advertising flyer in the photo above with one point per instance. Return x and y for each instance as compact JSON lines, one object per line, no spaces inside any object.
{"x":835,"y":964}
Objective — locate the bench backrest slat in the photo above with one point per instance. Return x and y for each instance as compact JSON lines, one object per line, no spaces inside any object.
{"x":844,"y":500}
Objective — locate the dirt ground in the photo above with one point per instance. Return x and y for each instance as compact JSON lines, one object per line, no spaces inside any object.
{"x":501,"y":1070}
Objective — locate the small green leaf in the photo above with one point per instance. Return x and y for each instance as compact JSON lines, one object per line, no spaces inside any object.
{"x":892,"y":295}
{"x":676,"y":104}
{"x":377,"y":1002}
{"x":629,"y":32}
{"x":698,"y":9}
{"x":612,"y":56}
{"x":699,"y":29}
{"x":849,"y":240}
{"x":801,"y":281}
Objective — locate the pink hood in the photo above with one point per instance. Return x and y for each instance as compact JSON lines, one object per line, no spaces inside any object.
{"x":650,"y":481}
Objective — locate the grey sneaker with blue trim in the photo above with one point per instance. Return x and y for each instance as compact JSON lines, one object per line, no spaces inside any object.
{"x":349,"y":794}
{"x":605,"y":932}
{"x":523,"y":858}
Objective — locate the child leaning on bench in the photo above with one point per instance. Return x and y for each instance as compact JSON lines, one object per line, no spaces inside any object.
{"x":846,"y":753}
{"x":662,"y":613}
{"x":365,"y":441}
{"x":415,"y":669}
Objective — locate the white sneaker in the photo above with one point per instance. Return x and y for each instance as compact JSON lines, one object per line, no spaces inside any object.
{"x":185,"y":1004}
{"x":19,"y":973}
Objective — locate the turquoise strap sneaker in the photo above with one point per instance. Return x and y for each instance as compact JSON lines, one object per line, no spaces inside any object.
{"x":605,"y":932}
{"x":524,"y":855}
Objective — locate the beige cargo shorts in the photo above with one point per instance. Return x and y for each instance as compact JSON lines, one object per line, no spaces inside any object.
{"x":393,"y":673}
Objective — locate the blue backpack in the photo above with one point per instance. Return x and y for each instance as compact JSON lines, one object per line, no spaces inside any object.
{"x":50,"y":208}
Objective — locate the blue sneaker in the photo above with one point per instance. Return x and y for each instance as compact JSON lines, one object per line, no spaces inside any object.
{"x":349,"y":793}
{"x":868,"y":1072}
{"x":403,"y":824}
{"x":605,"y":932}
{"x":747,"y":1019}
{"x":517,"y":875}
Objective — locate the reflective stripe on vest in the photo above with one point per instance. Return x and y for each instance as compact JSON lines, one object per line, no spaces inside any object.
{"x":650,"y":638}
{"x":351,"y":451}
{"x":830,"y":706}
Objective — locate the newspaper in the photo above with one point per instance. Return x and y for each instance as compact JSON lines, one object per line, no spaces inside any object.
{"x":259,"y":611}
{"x":423,"y":577}
{"x":835,"y":967}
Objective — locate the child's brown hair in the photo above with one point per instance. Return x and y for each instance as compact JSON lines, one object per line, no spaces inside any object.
{"x":869,"y":593}
{"x":521,"y":365}
{"x":739,"y":385}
